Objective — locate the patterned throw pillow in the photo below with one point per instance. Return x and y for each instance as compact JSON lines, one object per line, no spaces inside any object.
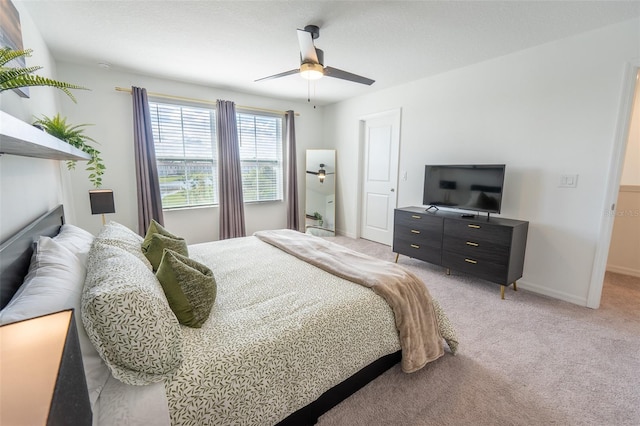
{"x":127,"y":317}
{"x":189,"y":286}
{"x":119,"y":235}
{"x":157,"y":239}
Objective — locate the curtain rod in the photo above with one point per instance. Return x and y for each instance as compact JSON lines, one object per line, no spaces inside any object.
{"x":181,"y":98}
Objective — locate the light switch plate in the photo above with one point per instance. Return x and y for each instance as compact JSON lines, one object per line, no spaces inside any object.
{"x":568,"y":181}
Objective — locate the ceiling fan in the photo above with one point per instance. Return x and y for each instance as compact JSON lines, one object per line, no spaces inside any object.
{"x":322,"y":173}
{"x":312,"y":61}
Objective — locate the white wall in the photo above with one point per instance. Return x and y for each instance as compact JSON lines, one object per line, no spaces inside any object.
{"x":110,"y":112}
{"x":544,"y":112}
{"x":30,"y":187}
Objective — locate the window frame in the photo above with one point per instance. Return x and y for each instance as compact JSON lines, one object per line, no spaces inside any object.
{"x":280,"y":161}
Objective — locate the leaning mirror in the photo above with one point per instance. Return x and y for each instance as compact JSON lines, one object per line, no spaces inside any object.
{"x":320,"y":199}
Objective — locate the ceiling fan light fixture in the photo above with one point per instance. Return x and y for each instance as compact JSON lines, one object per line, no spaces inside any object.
{"x":322,"y":173}
{"x":311,"y":71}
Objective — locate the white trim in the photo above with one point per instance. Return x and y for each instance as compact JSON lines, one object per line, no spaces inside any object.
{"x":546,"y":291}
{"x":629,"y":188}
{"x":624,"y":270}
{"x":621,"y":137}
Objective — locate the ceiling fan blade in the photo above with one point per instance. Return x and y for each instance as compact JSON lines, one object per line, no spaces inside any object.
{"x":307,"y":49}
{"x":312,"y":173}
{"x":282,"y":74}
{"x":344,"y":75}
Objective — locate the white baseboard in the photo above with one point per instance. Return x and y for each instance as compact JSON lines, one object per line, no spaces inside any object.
{"x":624,"y":270}
{"x":545,"y":291}
{"x":346,"y":234}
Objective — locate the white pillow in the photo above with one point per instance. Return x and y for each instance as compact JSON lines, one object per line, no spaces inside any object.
{"x":76,"y":240}
{"x":55,"y":283}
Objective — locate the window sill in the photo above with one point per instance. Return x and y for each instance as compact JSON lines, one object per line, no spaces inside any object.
{"x":215,"y":206}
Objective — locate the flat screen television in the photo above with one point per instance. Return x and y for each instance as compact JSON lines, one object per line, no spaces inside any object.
{"x":475,"y":187}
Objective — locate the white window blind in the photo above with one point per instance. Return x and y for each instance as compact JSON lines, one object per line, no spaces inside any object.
{"x":260,"y":140}
{"x":187,"y":158}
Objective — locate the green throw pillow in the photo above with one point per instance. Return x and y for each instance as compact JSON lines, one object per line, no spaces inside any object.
{"x":157,"y":239}
{"x":189,"y":286}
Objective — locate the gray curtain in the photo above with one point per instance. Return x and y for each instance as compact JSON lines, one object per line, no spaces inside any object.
{"x":293,"y":219}
{"x":229,"y":172}
{"x":149,"y":199}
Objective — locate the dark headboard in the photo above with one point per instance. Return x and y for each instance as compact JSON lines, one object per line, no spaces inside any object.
{"x":15,"y":253}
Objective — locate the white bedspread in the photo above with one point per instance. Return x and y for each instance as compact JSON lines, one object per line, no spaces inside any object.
{"x":280,"y":334}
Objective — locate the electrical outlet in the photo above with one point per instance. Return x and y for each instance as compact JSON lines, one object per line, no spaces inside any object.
{"x":568,"y":181}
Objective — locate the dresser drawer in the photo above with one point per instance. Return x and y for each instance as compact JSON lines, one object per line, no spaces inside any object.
{"x":418,"y":235}
{"x":406,"y":236}
{"x":477,"y":231}
{"x":477,"y":248}
{"x":478,"y":267}
{"x":428,"y":253}
{"x":425,"y":224}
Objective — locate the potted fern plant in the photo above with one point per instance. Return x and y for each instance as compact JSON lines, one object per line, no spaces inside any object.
{"x":16,"y":77}
{"x":74,"y":135}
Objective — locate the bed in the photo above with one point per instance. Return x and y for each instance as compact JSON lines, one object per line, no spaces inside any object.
{"x":285,"y":341}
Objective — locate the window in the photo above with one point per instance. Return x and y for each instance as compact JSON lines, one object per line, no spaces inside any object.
{"x":260,"y":138}
{"x":187,"y":155}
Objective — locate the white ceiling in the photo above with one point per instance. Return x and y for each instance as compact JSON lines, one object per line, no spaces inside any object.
{"x":229,"y":44}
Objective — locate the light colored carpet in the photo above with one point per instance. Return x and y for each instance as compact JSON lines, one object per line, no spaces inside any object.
{"x":526,"y":360}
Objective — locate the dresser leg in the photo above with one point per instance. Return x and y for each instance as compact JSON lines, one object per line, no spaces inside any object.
{"x":515,"y":286}
{"x":397,"y":256}
{"x":502,"y":292}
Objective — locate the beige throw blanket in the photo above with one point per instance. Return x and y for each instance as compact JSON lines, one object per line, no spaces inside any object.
{"x":405,"y":293}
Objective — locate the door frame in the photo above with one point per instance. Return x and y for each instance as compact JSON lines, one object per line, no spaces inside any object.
{"x":620,"y":141}
{"x":396,"y":114}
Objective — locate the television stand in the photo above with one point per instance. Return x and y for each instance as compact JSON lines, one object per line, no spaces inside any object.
{"x":492,"y":249}
{"x":431,"y":207}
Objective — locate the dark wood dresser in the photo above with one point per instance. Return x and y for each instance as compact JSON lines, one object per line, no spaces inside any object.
{"x":489,"y":248}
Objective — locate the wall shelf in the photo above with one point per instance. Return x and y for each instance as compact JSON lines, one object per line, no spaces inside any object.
{"x":20,"y":138}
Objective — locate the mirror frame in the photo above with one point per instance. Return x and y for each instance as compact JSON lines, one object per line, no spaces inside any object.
{"x":320,"y":192}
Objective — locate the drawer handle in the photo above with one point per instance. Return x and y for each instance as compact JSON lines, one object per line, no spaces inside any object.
{"x":415,"y":246}
{"x":414,"y":231}
{"x":474,"y":226}
{"x":415,"y":216}
{"x":471,"y":261}
{"x":469,"y":243}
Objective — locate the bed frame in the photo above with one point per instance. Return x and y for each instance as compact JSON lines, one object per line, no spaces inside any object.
{"x":15,"y":253}
{"x":15,"y":257}
{"x":309,"y":414}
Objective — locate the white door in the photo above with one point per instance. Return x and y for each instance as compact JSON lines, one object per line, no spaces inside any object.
{"x":380,"y":176}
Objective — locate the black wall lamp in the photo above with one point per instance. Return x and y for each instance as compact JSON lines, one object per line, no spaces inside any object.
{"x":102,"y":202}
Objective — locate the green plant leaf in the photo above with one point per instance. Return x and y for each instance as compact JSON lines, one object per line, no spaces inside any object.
{"x":16,"y":77}
{"x":74,"y":135}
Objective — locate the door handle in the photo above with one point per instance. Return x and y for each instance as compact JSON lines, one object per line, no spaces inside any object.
{"x":393,"y":190}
